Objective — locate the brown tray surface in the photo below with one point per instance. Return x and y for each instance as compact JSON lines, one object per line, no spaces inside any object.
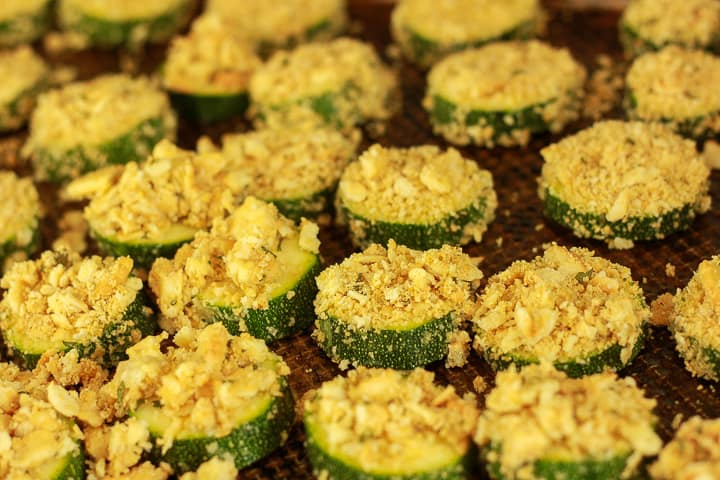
{"x":517,"y":233}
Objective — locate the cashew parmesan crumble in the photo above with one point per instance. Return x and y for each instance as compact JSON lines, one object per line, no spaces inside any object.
{"x":339,"y":83}
{"x":539,"y":414}
{"x":418,"y":185}
{"x":624,"y":178}
{"x":651,"y":24}
{"x":427,"y":30}
{"x":236,"y":263}
{"x":62,"y":298}
{"x":72,"y":127}
{"x":695,"y":322}
{"x":692,"y":454}
{"x":213,"y":469}
{"x":22,"y":75}
{"x":20,"y":213}
{"x":22,"y":21}
{"x":213,"y":59}
{"x":398,"y":287}
{"x":675,"y":86}
{"x":382,"y":420}
{"x":476,"y":96}
{"x":202,"y":384}
{"x":564,"y":306}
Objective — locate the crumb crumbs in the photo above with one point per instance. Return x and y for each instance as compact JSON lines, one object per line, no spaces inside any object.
{"x":670,"y":270}
{"x":479,"y":384}
{"x":539,"y":227}
{"x":499,"y":242}
{"x":661,"y":310}
{"x":677,"y":420}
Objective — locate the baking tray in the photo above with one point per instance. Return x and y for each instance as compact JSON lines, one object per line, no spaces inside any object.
{"x":518,"y":232}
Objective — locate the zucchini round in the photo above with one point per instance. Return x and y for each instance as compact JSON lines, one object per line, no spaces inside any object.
{"x":543,"y":88}
{"x":427,"y":31}
{"x":24,"y":75}
{"x":554,"y":309}
{"x":382,"y":308}
{"x":20,"y":213}
{"x":129,"y":23}
{"x":433,"y":445}
{"x":624,"y":181}
{"x":690,"y":452}
{"x":421,"y":197}
{"x":23,"y":21}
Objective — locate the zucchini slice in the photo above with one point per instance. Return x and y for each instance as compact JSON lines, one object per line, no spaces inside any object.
{"x":543,"y":92}
{"x":130,"y":23}
{"x":366,"y":317}
{"x":69,"y":467}
{"x":421,"y":197}
{"x":690,"y":450}
{"x":205,"y":109}
{"x":24,"y":75}
{"x":261,"y":428}
{"x":368,"y":451}
{"x":20,"y":213}
{"x":23,"y":21}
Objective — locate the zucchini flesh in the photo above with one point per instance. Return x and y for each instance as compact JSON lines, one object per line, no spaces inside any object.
{"x":286,"y":314}
{"x":591,"y":225}
{"x":261,"y":428}
{"x":145,"y":251}
{"x":69,"y":467}
{"x":448,"y":231}
{"x":109,"y":348}
{"x":406,"y":349}
{"x":204,"y":108}
{"x":437,"y":464}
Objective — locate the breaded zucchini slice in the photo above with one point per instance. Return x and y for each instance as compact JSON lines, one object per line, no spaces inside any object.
{"x":254,"y":272}
{"x":395,"y":307}
{"x":694,"y":320}
{"x":130,"y":23}
{"x":583,"y":313}
{"x":503,"y":93}
{"x":379,"y":424}
{"x":149,"y":210}
{"x":428,"y":30}
{"x":38,"y":442}
{"x":692,"y":453}
{"x":296,"y":170}
{"x":62,"y":302}
{"x":340,"y":84}
{"x":421,"y":197}
{"x":23,"y":74}
{"x":82,"y":126}
{"x":540,"y":424}
{"x":23,"y":21}
{"x":282,"y":23}
{"x":20,"y":213}
{"x":209,"y":395}
{"x":676,"y":87}
{"x":624,"y":181}
{"x":648,"y":25}
{"x":207,"y":72}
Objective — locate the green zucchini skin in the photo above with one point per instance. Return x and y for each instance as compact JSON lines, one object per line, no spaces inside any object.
{"x":596,"y":363}
{"x":15,"y":31}
{"x":590,"y":225}
{"x":74,"y":468}
{"x":204,"y":109}
{"x":310,"y":207}
{"x":283,"y":317}
{"x":634,"y":45}
{"x":338,"y":470}
{"x":109,"y":348}
{"x":322,"y":28}
{"x":402,"y":350}
{"x":246,"y":444}
{"x":143,"y":254}
{"x":448,"y":231}
{"x":107,"y":33}
{"x":15,"y":113}
{"x":133,"y":146}
{"x":10,"y":246}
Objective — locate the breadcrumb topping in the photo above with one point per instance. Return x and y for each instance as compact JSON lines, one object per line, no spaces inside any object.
{"x":420,"y":185}
{"x":673,"y":85}
{"x":564,"y":305}
{"x":696,"y":320}
{"x":212,"y":59}
{"x":345,"y":72}
{"x":622,"y":170}
{"x":213,"y":469}
{"x":539,"y":413}
{"x":693,"y":23}
{"x":203,"y":384}
{"x":380,"y":419}
{"x":22,"y":72}
{"x":397,"y":287}
{"x":10,"y":9}
{"x":62,"y":297}
{"x":286,"y":164}
{"x":692,"y":454}
{"x":19,"y":209}
{"x":239,"y":264}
